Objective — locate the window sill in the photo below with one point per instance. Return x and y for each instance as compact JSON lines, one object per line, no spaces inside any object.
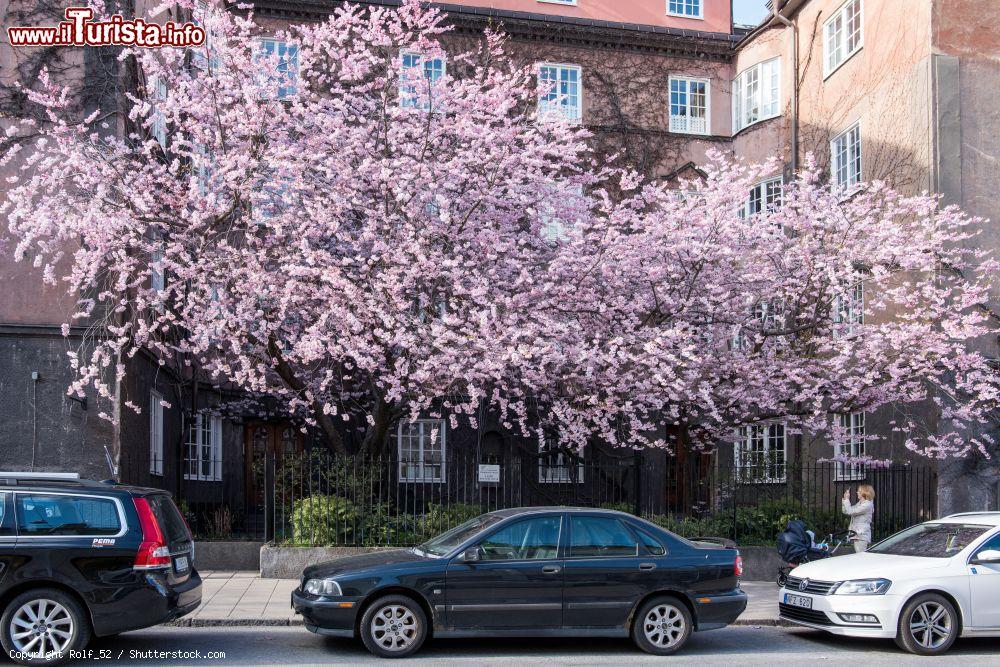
{"x":699,"y":17}
{"x":827,"y":75}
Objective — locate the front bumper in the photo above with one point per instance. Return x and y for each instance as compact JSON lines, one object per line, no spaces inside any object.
{"x":335,"y":617}
{"x":718,"y":611}
{"x":826,"y":610}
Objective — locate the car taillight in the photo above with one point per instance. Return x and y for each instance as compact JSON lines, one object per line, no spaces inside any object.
{"x":153,"y":552}
{"x":738,"y":566}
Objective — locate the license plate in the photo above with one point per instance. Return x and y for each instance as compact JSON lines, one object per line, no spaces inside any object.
{"x":181,"y":564}
{"x":799,"y":601}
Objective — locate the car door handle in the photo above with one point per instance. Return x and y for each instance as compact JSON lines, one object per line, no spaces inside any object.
{"x":551,"y":569}
{"x":647,"y":566}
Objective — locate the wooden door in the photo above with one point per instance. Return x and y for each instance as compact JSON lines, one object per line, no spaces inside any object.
{"x":262,"y":441}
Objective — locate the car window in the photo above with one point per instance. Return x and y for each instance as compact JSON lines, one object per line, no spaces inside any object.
{"x":597,"y":536}
{"x":6,"y":526}
{"x":531,"y":539}
{"x":653,"y":545}
{"x":448,"y":541}
{"x":930,"y":540}
{"x":991,"y":544}
{"x":40,"y":514}
{"x":168,"y":517}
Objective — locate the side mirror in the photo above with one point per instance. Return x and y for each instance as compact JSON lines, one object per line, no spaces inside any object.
{"x":472,"y":555}
{"x":987,"y":556}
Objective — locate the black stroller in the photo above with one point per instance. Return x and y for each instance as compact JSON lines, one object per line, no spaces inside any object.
{"x":796,"y":546}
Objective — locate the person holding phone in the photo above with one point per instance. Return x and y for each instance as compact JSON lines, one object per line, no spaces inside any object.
{"x":861,"y":514}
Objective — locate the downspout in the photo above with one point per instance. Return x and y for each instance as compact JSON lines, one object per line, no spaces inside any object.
{"x":776,"y":13}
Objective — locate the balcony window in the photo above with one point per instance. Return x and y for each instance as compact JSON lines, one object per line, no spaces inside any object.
{"x":689,"y":106}
{"x":560,"y":92}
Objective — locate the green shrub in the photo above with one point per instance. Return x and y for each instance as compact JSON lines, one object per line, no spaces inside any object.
{"x":324,"y":520}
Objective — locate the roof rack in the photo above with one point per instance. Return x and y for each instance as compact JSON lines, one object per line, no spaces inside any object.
{"x":58,"y":478}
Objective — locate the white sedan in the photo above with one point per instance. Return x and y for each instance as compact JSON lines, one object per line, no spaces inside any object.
{"x":924,"y":586}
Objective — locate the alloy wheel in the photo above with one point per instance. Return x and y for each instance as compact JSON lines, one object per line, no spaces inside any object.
{"x":930,"y":625}
{"x":41,"y":627}
{"x":394,"y":628}
{"x":663,"y":625}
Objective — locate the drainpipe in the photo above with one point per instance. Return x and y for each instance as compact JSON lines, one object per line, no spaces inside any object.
{"x":776,"y":13}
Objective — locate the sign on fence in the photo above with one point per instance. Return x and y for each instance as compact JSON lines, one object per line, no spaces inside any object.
{"x":489,"y":473}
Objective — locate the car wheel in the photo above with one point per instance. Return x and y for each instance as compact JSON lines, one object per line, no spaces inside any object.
{"x":928,"y":625}
{"x":393,"y":626}
{"x":42,"y":627}
{"x":662,"y":626}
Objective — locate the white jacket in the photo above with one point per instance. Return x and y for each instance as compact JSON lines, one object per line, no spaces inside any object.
{"x":861,"y":518}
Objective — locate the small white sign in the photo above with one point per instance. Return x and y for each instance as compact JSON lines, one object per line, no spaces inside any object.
{"x":489,"y":473}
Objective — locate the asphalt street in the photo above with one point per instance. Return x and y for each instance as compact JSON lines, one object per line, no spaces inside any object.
{"x":748,"y":645}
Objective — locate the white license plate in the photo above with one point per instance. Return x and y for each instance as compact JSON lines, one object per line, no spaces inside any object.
{"x":799,"y":601}
{"x":181,"y":564}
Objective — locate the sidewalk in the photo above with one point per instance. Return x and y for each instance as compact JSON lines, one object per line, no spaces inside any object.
{"x":243,"y":598}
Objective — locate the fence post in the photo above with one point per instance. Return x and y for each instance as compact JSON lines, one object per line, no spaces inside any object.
{"x":637,"y":466}
{"x":735,"y":491}
{"x":268,"y":498}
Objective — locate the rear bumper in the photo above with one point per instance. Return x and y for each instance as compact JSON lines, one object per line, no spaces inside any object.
{"x":327,"y":616}
{"x":718,"y":611}
{"x":151,"y":601}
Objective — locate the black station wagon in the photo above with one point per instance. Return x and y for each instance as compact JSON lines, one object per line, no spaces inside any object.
{"x":529,"y":572}
{"x":80,"y":559}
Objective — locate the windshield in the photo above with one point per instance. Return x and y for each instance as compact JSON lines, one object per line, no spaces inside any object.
{"x":930,"y":540}
{"x":446,"y":542}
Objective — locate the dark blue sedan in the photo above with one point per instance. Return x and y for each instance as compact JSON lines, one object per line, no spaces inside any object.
{"x":529,"y":572}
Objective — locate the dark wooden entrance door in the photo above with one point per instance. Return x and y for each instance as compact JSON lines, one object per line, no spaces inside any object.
{"x":264,"y":440}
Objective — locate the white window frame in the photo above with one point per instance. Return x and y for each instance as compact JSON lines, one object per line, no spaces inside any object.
{"x":767,"y":197}
{"x":749,"y":457}
{"x":405,"y":93}
{"x":576,"y":115}
{"x":836,"y":166}
{"x":853,"y":425}
{"x":700,"y":4}
{"x":194,"y":451}
{"x":554,"y":229}
{"x":425,"y":435}
{"x":155,"y":433}
{"x":849,"y":310}
{"x":158,"y":93}
{"x":560,"y":472}
{"x":835,"y":41}
{"x":684,"y":123}
{"x":565,"y":3}
{"x":290,"y":88}
{"x":749,"y":94}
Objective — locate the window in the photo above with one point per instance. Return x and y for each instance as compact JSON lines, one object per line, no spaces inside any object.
{"x":533,"y":539}
{"x":756,"y":94}
{"x":4,"y":529}
{"x":43,"y":514}
{"x":286,"y":69}
{"x":157,"y":274}
{"x":155,"y":433}
{"x":560,"y":91}
{"x":765,"y":316}
{"x":842,"y":35}
{"x":687,"y":8}
{"x":849,"y":310}
{"x":571,"y":3}
{"x":203,"y":455}
{"x":421,"y":450}
{"x":760,"y":453}
{"x":653,"y":546}
{"x":689,"y":106}
{"x":765,"y":196}
{"x":853,"y":426}
{"x":556,"y":466}
{"x":158,"y":91}
{"x":554,"y":223}
{"x":592,"y":536}
{"x":931,"y":540}
{"x":992,"y":544}
{"x":417,"y":80}
{"x":845,"y":158}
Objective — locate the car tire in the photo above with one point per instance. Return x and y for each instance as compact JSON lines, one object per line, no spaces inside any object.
{"x":394,"y":626}
{"x":68,"y":629}
{"x":662,"y":625}
{"x":928,"y":625}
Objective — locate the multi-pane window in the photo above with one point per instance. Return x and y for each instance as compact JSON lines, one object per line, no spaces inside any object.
{"x":422,"y":448}
{"x":689,"y":106}
{"x":842,"y":35}
{"x":286,"y":70}
{"x":852,"y":446}
{"x":767,"y":315}
{"x":555,"y":223}
{"x":560,"y":92}
{"x":757,"y":94}
{"x":845,"y":158}
{"x":418,"y":79}
{"x":155,"y":433}
{"x":765,"y":196}
{"x":203,"y":451}
{"x":849,"y":310}
{"x":158,"y":91}
{"x":760,"y":453}
{"x":687,"y":8}
{"x":556,"y":466}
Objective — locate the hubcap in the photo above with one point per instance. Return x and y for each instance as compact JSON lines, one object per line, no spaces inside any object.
{"x":663,"y":625}
{"x":40,"y":628}
{"x":930,"y":625}
{"x":394,"y":628}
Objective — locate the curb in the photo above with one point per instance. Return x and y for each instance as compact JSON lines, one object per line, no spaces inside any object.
{"x":297,"y":622}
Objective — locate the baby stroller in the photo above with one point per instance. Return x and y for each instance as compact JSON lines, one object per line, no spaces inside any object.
{"x":796,"y":545}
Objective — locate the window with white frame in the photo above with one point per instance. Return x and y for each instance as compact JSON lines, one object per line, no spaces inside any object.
{"x":849,"y":310}
{"x":155,"y":433}
{"x":204,"y":57}
{"x":555,"y":224}
{"x":422,"y":447}
{"x":845,"y":158}
{"x":556,"y":466}
{"x":560,"y":2}
{"x":764,"y":196}
{"x":286,"y":69}
{"x":691,"y":9}
{"x":157,"y":273}
{"x":560,"y":93}
{"x":689,"y":105}
{"x":418,"y":78}
{"x":842,"y":35}
{"x":203,"y":450}
{"x":760,"y":453}
{"x":757,"y":94}
{"x":852,"y":447}
{"x":158,"y":91}
{"x":767,"y":315}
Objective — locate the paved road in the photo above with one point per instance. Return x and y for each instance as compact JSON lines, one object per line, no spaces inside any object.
{"x":732,"y":646}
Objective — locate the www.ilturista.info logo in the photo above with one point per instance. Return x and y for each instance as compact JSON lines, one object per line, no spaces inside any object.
{"x":79,"y":30}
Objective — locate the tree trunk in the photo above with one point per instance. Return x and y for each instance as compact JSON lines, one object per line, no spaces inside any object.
{"x":383,"y":414}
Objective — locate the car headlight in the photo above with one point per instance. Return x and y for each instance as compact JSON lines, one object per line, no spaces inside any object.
{"x":863,"y":587}
{"x":324,"y":587}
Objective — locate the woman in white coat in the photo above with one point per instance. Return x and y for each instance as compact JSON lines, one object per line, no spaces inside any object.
{"x":861,"y":515}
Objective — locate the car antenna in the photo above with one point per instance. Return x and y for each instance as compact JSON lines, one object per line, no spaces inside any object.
{"x":111,"y":465}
